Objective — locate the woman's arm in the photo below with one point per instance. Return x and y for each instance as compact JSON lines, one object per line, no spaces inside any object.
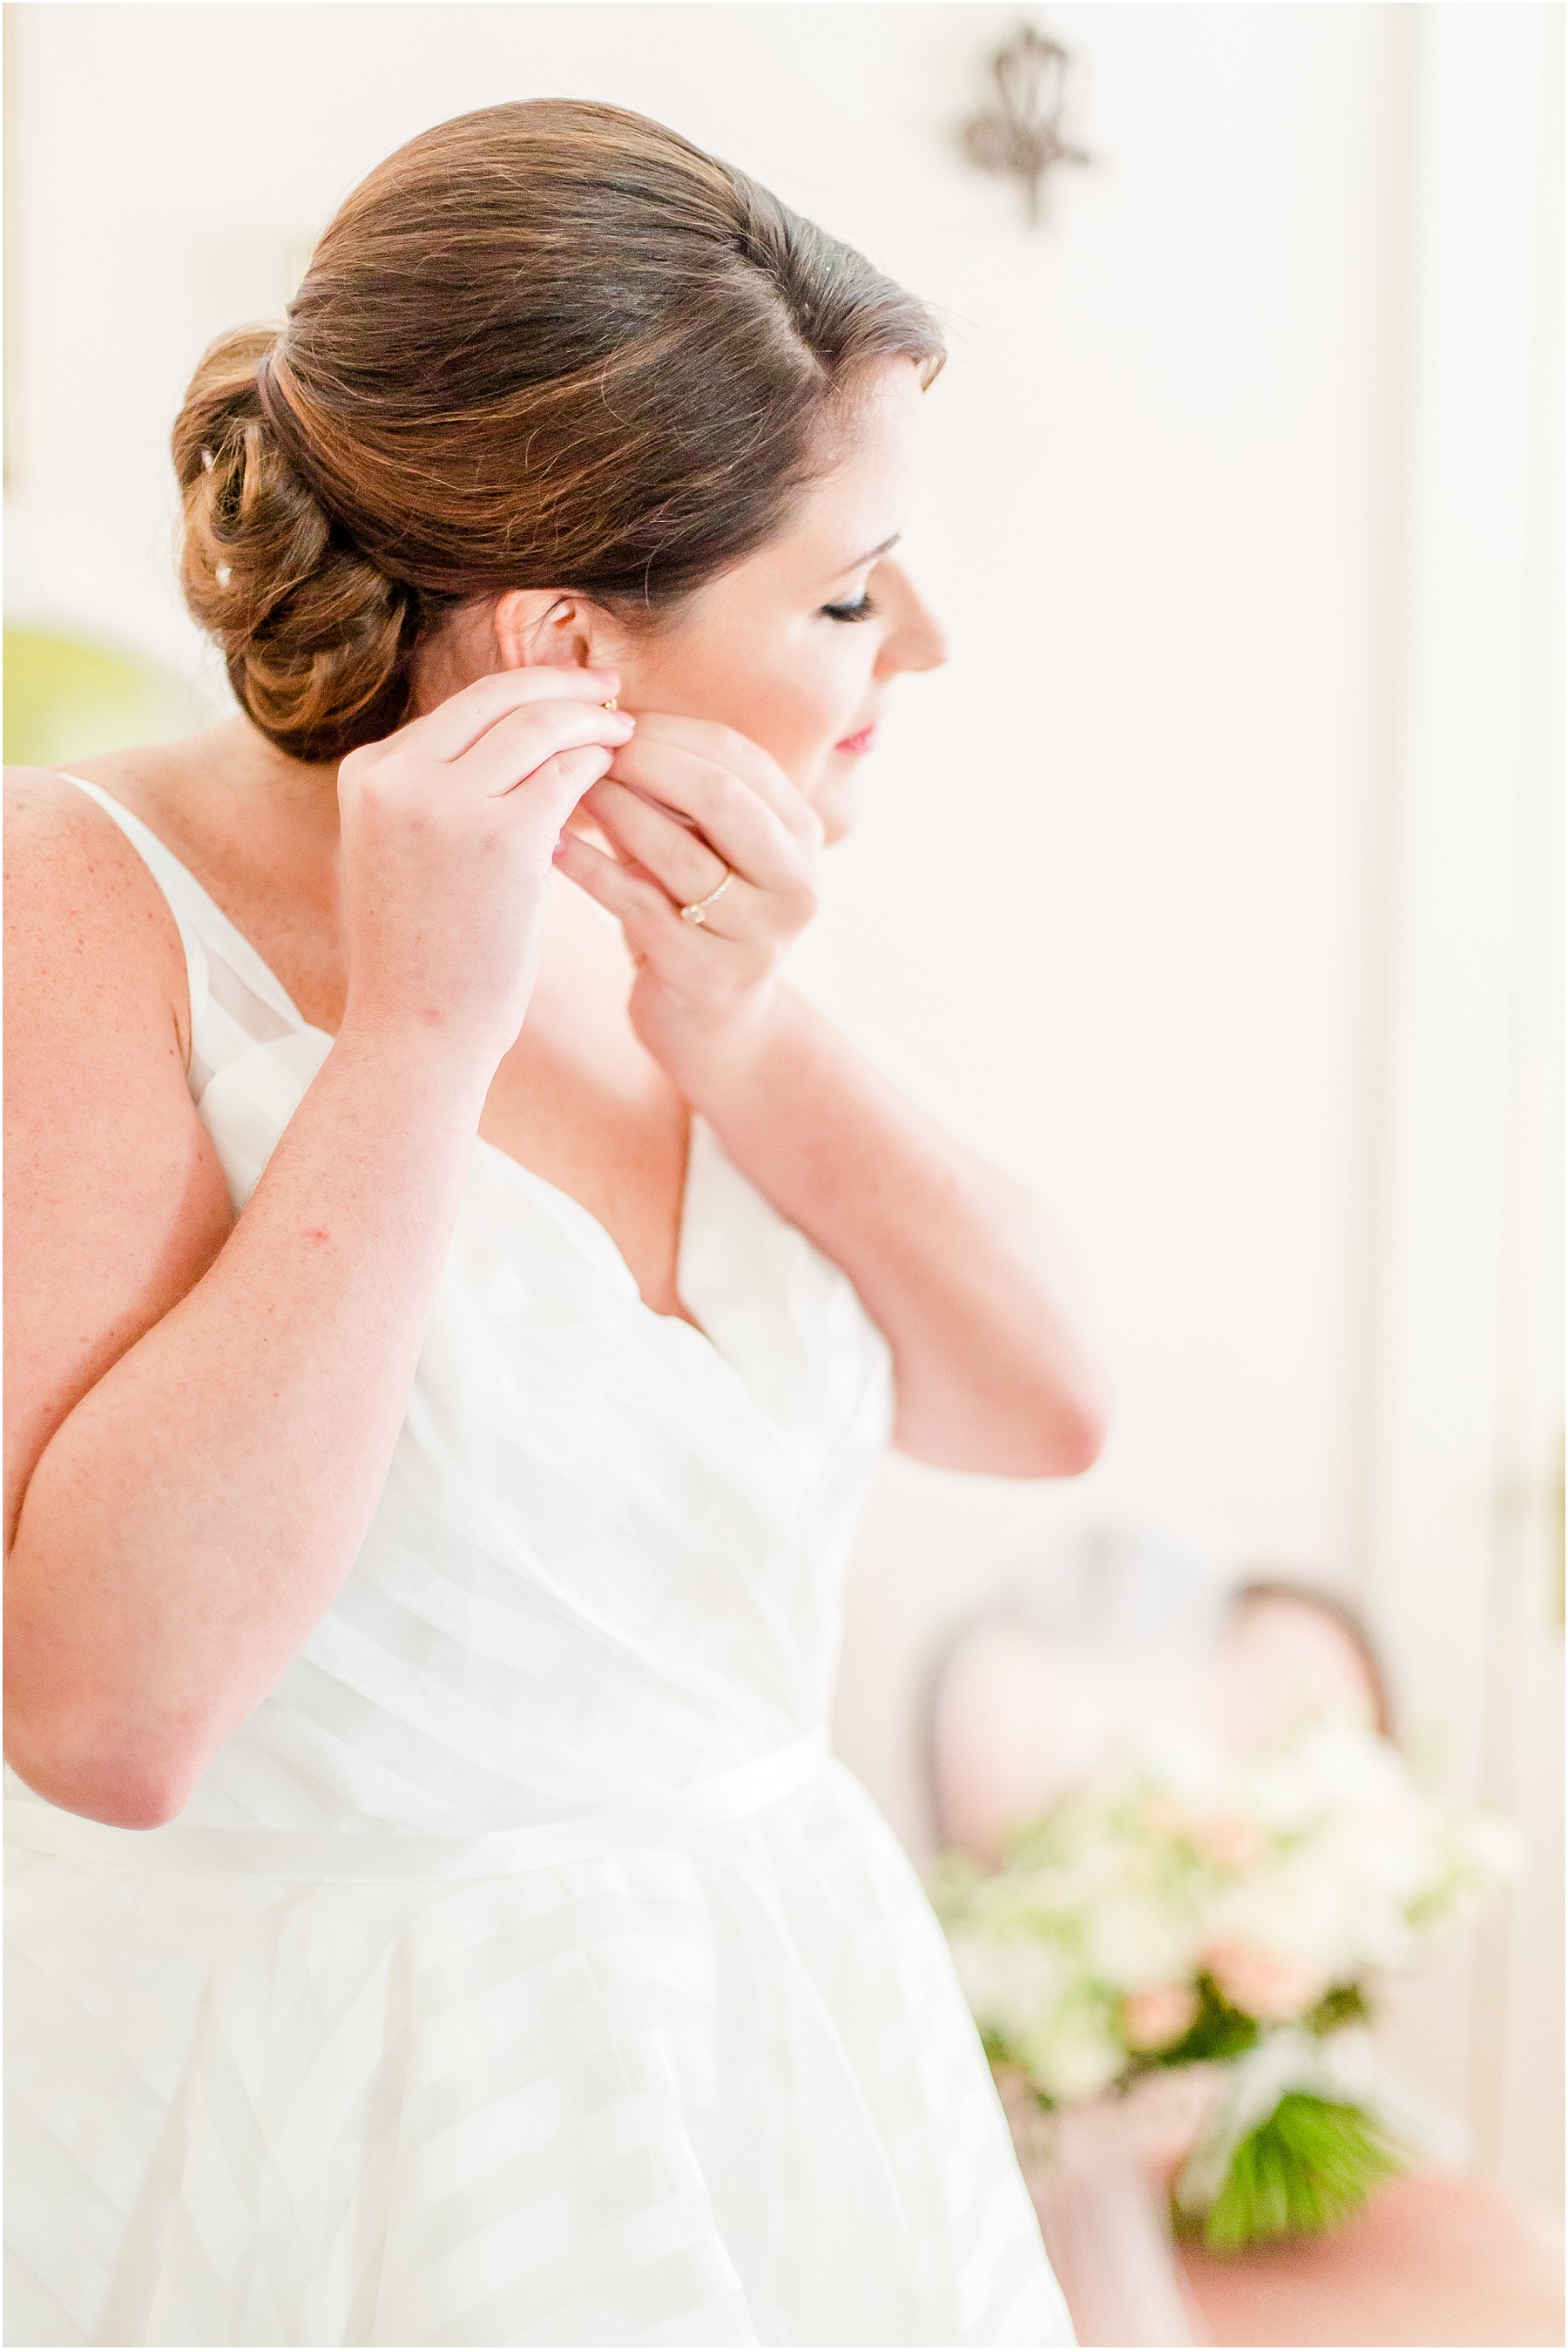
{"x":202,"y":1410}
{"x":961,"y":1270}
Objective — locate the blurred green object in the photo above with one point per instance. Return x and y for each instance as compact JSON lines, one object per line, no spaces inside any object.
{"x":1311,"y":2166}
{"x":66,"y":697}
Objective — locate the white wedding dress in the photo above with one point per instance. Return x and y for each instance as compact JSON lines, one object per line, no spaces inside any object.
{"x":525,"y":1970}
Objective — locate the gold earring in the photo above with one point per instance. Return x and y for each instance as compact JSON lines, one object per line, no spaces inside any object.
{"x":611,"y":704}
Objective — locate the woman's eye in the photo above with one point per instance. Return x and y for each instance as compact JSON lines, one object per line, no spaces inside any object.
{"x":859,"y":611}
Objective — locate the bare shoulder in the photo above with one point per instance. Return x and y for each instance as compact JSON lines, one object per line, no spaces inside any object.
{"x":115,"y":1202}
{"x":88,"y":929}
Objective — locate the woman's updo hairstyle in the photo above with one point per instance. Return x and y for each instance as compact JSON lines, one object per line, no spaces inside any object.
{"x":549,"y":345}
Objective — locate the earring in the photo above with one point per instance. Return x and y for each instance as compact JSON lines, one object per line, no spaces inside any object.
{"x":613,"y":703}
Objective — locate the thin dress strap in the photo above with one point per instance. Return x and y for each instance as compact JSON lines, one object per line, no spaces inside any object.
{"x":205,"y":929}
{"x":177,"y":886}
{"x":235,"y":995}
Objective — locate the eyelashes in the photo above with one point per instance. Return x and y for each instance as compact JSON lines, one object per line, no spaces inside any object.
{"x":848,"y":612}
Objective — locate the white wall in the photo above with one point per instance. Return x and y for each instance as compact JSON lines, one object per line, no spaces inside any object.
{"x":1465,"y":1497}
{"x":1115,"y":909}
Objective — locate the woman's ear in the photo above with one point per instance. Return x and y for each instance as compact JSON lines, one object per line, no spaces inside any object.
{"x":541,"y":628}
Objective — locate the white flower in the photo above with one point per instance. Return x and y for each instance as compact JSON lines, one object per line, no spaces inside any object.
{"x":1075,"y":2054}
{"x":1132,"y":1940}
{"x":1309,"y":1917}
{"x":1329,"y":1765}
{"x":1010,"y":1980}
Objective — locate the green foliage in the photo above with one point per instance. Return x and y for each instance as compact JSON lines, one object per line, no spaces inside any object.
{"x":1345,"y":2003}
{"x":1309,"y":2167}
{"x":1218,"y":2032}
{"x":997,"y":2047}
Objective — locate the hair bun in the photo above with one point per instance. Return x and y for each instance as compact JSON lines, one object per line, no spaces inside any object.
{"x":315,"y":637}
{"x":547,"y":345}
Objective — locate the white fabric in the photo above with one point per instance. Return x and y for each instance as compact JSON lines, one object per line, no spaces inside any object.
{"x":687,"y":2062}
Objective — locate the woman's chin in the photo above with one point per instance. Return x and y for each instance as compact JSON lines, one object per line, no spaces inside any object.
{"x":837,"y":801}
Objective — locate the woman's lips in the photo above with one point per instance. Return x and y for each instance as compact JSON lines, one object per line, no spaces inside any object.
{"x":857,"y":745}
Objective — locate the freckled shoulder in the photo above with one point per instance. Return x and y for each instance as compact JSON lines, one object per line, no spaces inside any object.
{"x":84,"y":917}
{"x":115,"y":1202}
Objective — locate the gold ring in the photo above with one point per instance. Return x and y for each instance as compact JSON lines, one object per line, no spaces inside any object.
{"x":698,"y":912}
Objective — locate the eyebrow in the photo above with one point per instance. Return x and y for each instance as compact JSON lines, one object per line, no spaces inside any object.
{"x":869,"y":558}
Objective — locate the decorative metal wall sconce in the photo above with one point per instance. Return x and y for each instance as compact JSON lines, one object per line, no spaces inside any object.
{"x":1024,"y":135}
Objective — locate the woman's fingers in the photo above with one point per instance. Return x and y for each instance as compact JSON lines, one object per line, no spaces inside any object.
{"x":565,"y":778}
{"x":462,"y":721}
{"x":680,"y":860}
{"x":682,"y":827}
{"x":737,"y":755}
{"x":517,"y":745}
{"x":642,"y":907}
{"x":735,"y":821}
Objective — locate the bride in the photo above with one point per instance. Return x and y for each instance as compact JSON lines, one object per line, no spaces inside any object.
{"x":435,"y":1917}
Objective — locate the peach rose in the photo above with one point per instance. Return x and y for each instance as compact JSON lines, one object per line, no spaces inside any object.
{"x":1228,"y":1839}
{"x":1160,"y":2016}
{"x":1271,"y":1985}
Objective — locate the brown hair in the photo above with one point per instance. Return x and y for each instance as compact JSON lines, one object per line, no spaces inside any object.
{"x":549,"y":345}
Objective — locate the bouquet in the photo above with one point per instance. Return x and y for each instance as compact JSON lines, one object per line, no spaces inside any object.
{"x":1188,"y":1906}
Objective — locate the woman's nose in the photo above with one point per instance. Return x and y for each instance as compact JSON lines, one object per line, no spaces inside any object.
{"x":914,"y":638}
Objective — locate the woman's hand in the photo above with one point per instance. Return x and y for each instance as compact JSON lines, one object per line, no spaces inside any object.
{"x":691,"y":810}
{"x":993,"y":1364}
{"x":447,"y":833}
